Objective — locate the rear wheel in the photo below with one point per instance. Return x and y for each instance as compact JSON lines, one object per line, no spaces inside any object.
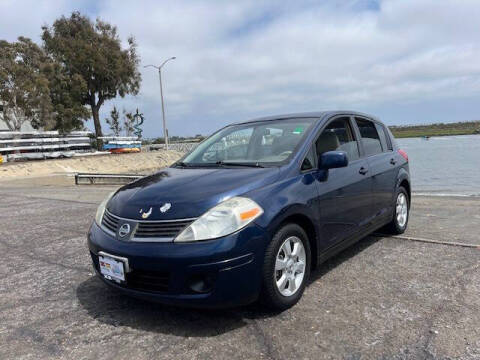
{"x":401,"y":212}
{"x":286,"y":268}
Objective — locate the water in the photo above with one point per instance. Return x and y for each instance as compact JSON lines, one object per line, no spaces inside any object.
{"x":444,"y":165}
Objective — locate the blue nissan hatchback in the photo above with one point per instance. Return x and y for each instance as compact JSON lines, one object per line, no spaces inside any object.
{"x":252,"y":210}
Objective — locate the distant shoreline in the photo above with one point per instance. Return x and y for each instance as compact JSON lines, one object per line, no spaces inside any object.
{"x":440,"y":129}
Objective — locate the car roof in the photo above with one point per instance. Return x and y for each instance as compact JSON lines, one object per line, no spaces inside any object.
{"x":314,"y":114}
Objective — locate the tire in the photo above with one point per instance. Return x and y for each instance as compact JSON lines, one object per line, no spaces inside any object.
{"x":398,"y":226}
{"x":292,"y":284}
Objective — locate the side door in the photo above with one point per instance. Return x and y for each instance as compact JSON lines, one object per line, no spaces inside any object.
{"x":344,"y":193}
{"x":382,"y":165}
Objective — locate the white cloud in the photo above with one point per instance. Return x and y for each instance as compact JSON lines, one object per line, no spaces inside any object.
{"x":26,"y":17}
{"x":241,"y":59}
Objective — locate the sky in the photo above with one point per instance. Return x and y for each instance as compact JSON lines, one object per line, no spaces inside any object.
{"x":404,"y":61}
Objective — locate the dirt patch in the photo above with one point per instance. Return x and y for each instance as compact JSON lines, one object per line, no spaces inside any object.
{"x":139,"y":163}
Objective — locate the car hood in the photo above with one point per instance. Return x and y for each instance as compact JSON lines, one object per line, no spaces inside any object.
{"x":189,"y":191}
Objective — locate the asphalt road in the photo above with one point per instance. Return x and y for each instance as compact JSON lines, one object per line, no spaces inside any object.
{"x":384,"y":298}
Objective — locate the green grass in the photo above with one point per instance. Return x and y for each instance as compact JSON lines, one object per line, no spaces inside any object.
{"x":440,"y":129}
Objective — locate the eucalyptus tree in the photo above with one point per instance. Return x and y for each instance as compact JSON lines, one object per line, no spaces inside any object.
{"x":93,"y":52}
{"x":24,"y":89}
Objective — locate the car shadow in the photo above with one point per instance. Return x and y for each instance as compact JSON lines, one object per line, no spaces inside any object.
{"x":114,"y":308}
{"x":341,"y":257}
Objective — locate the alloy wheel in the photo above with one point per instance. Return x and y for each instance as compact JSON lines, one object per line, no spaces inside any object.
{"x":401,"y":209}
{"x":290,"y":266}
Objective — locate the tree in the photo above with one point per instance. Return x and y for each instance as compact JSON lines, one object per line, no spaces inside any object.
{"x":114,"y":122}
{"x":128,"y":122}
{"x":66,"y":94}
{"x":24,"y":92}
{"x":93,"y":52}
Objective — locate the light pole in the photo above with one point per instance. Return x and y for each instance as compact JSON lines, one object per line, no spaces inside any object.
{"x":159,"y":68}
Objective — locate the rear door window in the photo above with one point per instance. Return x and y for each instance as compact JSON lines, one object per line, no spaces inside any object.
{"x":338,"y":135}
{"x":370,"y":138}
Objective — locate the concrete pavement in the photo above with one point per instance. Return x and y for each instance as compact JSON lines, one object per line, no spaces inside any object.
{"x":383,"y":298}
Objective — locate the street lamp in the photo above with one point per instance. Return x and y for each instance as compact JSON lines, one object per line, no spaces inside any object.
{"x":165,"y":131}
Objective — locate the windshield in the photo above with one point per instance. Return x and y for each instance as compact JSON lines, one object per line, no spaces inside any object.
{"x":258,"y":143}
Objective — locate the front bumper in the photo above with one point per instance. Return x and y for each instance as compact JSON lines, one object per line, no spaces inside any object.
{"x":230,"y":267}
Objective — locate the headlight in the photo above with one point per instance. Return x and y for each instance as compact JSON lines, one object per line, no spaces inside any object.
{"x":224,"y":219}
{"x":101,"y":209}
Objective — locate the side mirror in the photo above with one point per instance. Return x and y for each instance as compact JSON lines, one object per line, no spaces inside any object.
{"x":332,"y":160}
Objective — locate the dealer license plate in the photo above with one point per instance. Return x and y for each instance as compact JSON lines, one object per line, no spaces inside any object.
{"x":112,"y":269}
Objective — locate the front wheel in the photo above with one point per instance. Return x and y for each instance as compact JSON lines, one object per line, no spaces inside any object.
{"x":286,"y":268}
{"x":401,"y":212}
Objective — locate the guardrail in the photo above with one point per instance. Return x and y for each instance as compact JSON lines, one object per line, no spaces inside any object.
{"x":105,"y":179}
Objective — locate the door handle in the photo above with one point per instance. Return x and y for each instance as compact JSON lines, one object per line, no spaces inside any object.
{"x":392,"y":161}
{"x":363,"y":170}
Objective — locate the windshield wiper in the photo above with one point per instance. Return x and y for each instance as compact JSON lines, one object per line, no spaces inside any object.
{"x":181,"y":164}
{"x":218,"y":163}
{"x":226,"y":163}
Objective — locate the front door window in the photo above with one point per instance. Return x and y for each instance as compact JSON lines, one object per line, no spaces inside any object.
{"x":338,"y":135}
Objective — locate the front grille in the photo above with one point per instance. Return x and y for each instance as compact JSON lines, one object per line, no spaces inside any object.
{"x":110,"y":221}
{"x":142,"y":280}
{"x":161,"y":229}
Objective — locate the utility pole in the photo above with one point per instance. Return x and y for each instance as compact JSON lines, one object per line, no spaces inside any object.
{"x":159,"y":68}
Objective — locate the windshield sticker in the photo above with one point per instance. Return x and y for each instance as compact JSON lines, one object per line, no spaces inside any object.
{"x":298,"y":130}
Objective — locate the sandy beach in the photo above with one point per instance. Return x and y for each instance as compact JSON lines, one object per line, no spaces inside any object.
{"x":139,"y":163}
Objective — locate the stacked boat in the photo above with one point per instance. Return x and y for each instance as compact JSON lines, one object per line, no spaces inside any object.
{"x":16,"y":145}
{"x":121,"y":144}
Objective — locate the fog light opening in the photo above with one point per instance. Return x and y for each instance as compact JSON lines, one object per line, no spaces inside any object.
{"x":201,"y":283}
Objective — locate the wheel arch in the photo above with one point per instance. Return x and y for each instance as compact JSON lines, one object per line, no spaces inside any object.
{"x":405,"y":184}
{"x":404,"y":181}
{"x":300,"y":218}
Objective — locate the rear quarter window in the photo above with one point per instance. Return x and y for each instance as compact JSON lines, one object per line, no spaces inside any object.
{"x":384,"y":138}
{"x":390,"y":138}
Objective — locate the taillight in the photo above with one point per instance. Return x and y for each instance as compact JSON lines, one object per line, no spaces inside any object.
{"x":404,"y":154}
